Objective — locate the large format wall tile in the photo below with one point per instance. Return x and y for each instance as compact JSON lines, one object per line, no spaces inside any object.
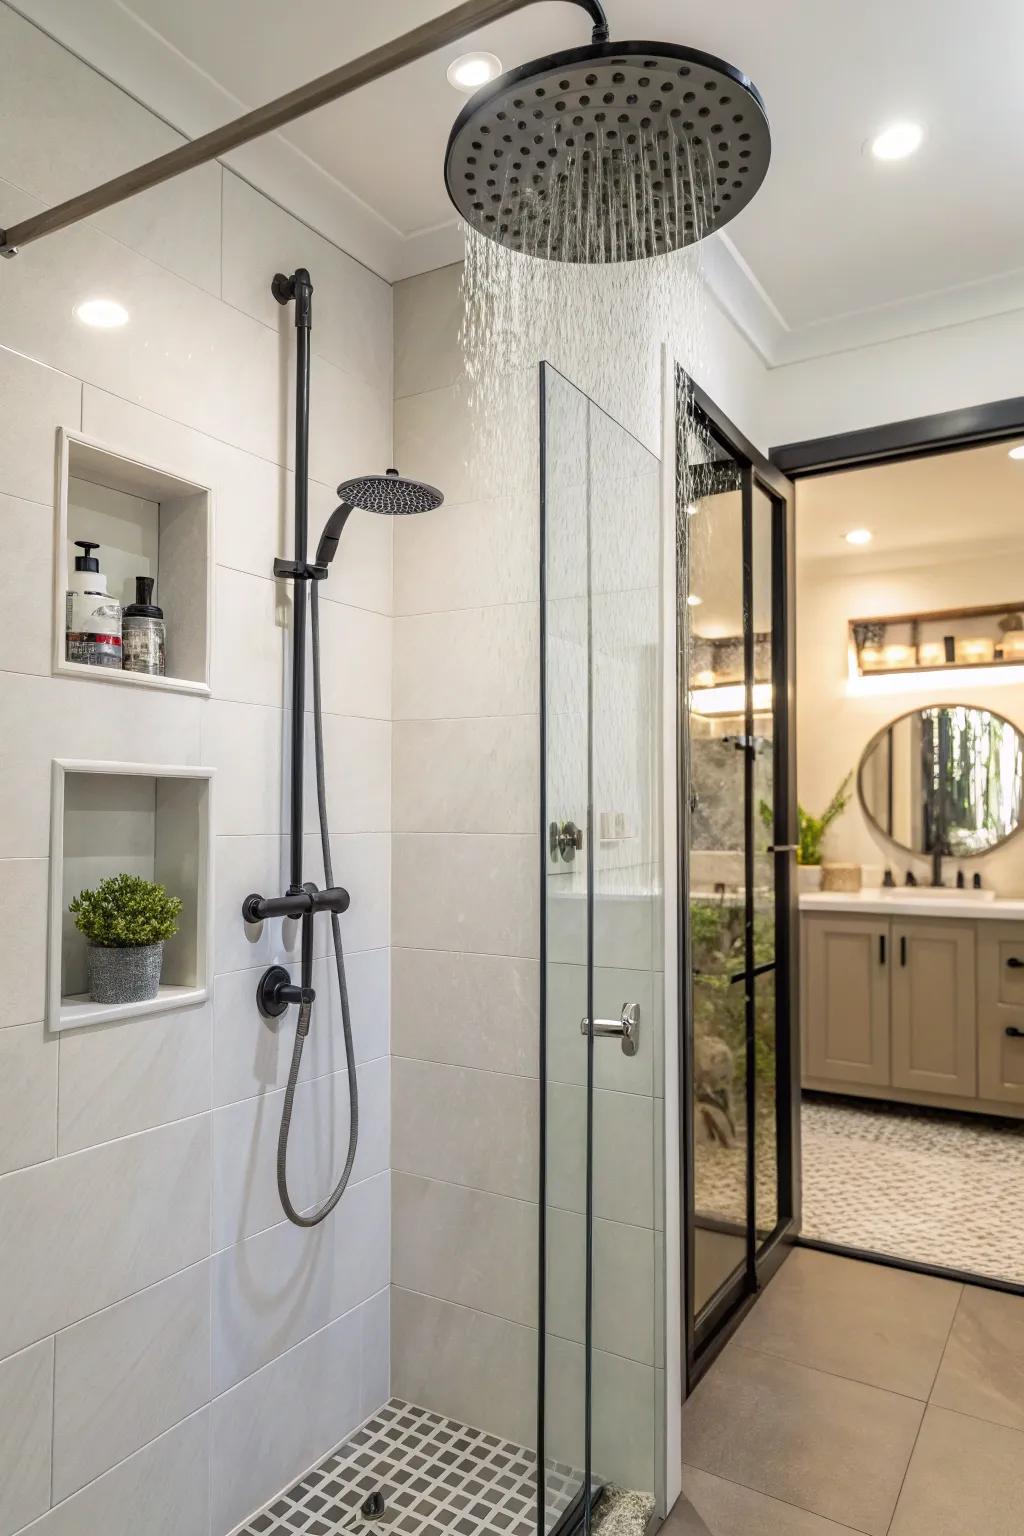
{"x":125,"y":1375}
{"x":276,"y":1288}
{"x":463,"y":1245}
{"x":473,"y":662}
{"x":84,"y":1231}
{"x":624,"y":1280}
{"x":622,"y":1396}
{"x":462,"y":555}
{"x":466,"y":1010}
{"x":465,"y":1364}
{"x":465,"y":1127}
{"x":28,"y":1096}
{"x":28,"y":528}
{"x":26,"y":1399}
{"x":278,"y":1422}
{"x":163,"y":1490}
{"x":130,"y":1076}
{"x":465,"y":892}
{"x":245,"y":1197}
{"x":23,"y":889}
{"x":352,"y":307}
{"x":624,"y":1153}
{"x":428,"y":314}
{"x":467,"y":775}
{"x":34,"y":402}
{"x":252,"y":1055}
{"x":246,"y":744}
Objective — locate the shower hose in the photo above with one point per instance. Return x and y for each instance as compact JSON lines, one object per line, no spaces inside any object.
{"x":313,"y":1218}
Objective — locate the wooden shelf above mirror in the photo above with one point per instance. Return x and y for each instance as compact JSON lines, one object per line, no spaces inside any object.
{"x":953,"y":639}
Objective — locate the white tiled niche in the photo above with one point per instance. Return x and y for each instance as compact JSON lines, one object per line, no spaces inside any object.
{"x":138,"y":819}
{"x":148,"y":521}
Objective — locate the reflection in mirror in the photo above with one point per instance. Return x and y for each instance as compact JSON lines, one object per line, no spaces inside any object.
{"x":946,"y":779}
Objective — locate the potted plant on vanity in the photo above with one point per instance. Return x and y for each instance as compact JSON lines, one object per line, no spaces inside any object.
{"x":811,"y":834}
{"x":125,"y":921}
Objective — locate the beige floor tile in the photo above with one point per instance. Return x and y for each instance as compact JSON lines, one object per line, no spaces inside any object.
{"x":836,"y":1448}
{"x":966,"y":1478}
{"x":982,"y":1371}
{"x":882,"y":1326}
{"x":726,"y":1509}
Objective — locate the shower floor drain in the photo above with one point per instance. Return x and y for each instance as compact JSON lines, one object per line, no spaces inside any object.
{"x":435,"y":1476}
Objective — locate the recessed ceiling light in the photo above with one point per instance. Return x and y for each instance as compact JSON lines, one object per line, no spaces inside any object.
{"x":897,"y":141}
{"x":694,"y":601}
{"x":692,"y":509}
{"x":859,"y":536}
{"x":472,"y":70}
{"x":1018,"y":452}
{"x":106,"y":314}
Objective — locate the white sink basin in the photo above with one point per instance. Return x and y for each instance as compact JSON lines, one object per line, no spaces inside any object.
{"x":934,"y":893}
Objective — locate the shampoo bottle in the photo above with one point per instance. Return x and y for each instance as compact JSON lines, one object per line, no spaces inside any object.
{"x":93,"y":617}
{"x":143,"y":632}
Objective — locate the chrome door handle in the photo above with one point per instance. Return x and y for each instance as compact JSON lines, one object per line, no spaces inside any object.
{"x":783,"y":848}
{"x":625,"y":1028}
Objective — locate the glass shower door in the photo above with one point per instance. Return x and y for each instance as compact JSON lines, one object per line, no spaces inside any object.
{"x":602,"y":987}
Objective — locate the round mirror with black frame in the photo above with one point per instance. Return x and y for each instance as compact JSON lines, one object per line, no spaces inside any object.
{"x":946,"y":779}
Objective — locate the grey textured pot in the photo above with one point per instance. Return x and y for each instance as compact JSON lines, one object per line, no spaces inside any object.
{"x":124,"y":975}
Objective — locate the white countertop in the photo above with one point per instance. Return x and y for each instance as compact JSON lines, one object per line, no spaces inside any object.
{"x":910,"y":901}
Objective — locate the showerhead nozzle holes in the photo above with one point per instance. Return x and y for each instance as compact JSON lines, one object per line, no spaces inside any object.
{"x":390,"y":494}
{"x":612,"y":152}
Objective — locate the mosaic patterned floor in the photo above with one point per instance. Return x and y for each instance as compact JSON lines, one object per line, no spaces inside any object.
{"x":919,"y":1184}
{"x":438,"y":1478}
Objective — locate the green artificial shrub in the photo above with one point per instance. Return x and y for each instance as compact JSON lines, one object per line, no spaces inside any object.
{"x":811,"y":829}
{"x":126,"y":912}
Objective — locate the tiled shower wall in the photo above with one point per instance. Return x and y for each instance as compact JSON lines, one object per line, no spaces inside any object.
{"x":172,"y":1352}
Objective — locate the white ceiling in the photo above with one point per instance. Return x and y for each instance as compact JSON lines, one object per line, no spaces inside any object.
{"x":835,"y":250}
{"x":961,"y":504}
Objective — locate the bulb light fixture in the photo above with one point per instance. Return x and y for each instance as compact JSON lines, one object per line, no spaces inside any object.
{"x":897,"y":141}
{"x":859,"y":536}
{"x":102,"y":314}
{"x":470,"y":71}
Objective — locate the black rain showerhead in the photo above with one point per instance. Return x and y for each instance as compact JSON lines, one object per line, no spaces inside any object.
{"x":390,"y":494}
{"x":387,"y":493}
{"x":613,"y":152}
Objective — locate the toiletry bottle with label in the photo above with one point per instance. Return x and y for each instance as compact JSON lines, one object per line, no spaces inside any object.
{"x":93,"y":617}
{"x":143,"y":632}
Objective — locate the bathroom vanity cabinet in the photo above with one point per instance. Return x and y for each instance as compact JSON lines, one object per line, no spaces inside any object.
{"x":914,"y":1008}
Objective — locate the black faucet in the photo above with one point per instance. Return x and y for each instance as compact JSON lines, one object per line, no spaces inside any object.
{"x":937,"y":852}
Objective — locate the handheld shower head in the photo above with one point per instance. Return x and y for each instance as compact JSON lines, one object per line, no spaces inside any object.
{"x":389,"y":494}
{"x":611,"y":152}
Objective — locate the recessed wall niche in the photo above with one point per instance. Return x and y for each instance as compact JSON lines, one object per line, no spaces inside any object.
{"x":148,"y":521}
{"x":138,"y":819}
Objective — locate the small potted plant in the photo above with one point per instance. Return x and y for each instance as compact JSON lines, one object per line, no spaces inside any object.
{"x":125,"y":921}
{"x":811,"y":834}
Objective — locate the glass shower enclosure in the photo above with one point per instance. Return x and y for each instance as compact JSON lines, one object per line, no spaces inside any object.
{"x":602,"y":983}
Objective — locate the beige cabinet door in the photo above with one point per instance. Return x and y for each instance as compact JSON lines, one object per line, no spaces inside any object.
{"x":846,"y":964}
{"x":934,"y":1013}
{"x":1001,"y":1011}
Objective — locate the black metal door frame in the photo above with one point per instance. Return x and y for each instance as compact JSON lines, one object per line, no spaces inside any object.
{"x":704,"y":1337}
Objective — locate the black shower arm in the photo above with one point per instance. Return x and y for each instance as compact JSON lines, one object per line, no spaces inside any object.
{"x":449,"y":28}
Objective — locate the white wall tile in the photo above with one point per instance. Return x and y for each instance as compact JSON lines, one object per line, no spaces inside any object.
{"x":84,"y":1231}
{"x":357,"y":767}
{"x":352,"y":307}
{"x":251,"y":636}
{"x":466,"y":1010}
{"x":624,"y":1150}
{"x":362,"y":573}
{"x":479,"y":1129}
{"x":466,"y":892}
{"x":125,"y":1375}
{"x":356,"y":674}
{"x":163,"y":1490}
{"x":28,"y":1096}
{"x":462,"y":555}
{"x":246,"y":743}
{"x":34,"y":402}
{"x":70,"y":717}
{"x":467,"y":1365}
{"x":477,"y":661}
{"x":98,"y":132}
{"x":26,"y":1404}
{"x":467,"y":775}
{"x":623,"y":1414}
{"x":27,"y":527}
{"x":242,"y":866}
{"x":252,"y":1055}
{"x":276,"y":1288}
{"x":623,"y":1271}
{"x":124,"y":1077}
{"x":428,"y":315}
{"x":275,"y":1424}
{"x":350,"y":423}
{"x":245,"y":1197}
{"x":375,"y":1355}
{"x":463,"y":1245}
{"x":23,"y":888}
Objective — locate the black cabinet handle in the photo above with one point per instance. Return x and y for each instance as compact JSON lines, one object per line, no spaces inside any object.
{"x":1014,"y":1033}
{"x":1015,"y":964}
{"x":881,"y":949}
{"x":903,"y":949}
